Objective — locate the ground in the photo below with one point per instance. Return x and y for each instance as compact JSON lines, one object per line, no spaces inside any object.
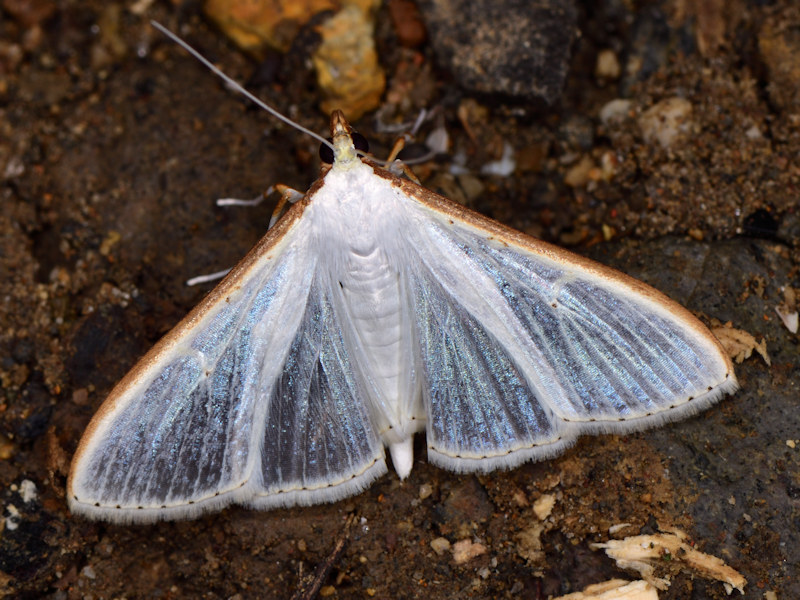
{"x":114,"y":145}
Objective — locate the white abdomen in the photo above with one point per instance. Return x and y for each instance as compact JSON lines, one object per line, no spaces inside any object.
{"x":372,"y":296}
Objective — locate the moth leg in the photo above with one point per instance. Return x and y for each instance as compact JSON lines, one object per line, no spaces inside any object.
{"x":397,"y":166}
{"x":437,"y":143}
{"x":288,"y":196}
{"x":253,"y":202}
{"x":228,"y":202}
{"x":206,"y":278}
{"x":399,"y":144}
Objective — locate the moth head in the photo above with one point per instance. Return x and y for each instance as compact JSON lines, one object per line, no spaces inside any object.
{"x":346,"y":142}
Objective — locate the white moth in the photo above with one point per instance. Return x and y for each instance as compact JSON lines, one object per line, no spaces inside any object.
{"x":375,"y":309}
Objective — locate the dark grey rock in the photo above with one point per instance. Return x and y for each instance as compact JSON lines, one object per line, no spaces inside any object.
{"x":654,"y":39}
{"x":514,"y":47}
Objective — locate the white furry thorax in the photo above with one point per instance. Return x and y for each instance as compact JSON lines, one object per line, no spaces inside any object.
{"x":355,"y":211}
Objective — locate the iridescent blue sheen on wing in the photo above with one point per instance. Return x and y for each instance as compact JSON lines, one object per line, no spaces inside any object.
{"x":619,"y":356}
{"x":478,"y":403}
{"x":189,"y":434}
{"x":318,"y":428}
{"x":504,"y":329}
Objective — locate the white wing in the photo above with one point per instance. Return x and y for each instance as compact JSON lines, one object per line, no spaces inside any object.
{"x":525,"y":346}
{"x":250,"y":399}
{"x":320,"y":442}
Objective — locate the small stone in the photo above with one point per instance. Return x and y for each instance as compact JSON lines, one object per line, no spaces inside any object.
{"x":80,"y":397}
{"x":7,"y":448}
{"x":466,"y":550}
{"x":440,"y":545}
{"x":607,"y":66}
{"x":608,"y":165}
{"x":27,"y":491}
{"x":754,"y":133}
{"x":529,"y":543}
{"x":615,"y":111}
{"x":578,"y":175}
{"x":466,"y":503}
{"x":88,"y":572}
{"x":13,"y":519}
{"x":425,"y":490}
{"x":666,"y":121}
{"x":543,"y":506}
{"x":696,"y":234}
{"x":504,"y":166}
{"x":519,"y":498}
{"x":471,"y":186}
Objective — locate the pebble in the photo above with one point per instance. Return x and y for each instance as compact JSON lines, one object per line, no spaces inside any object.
{"x":543,"y":506}
{"x":27,"y":491}
{"x":666,"y":121}
{"x":607,"y":66}
{"x":503,"y":167}
{"x":440,"y":545}
{"x":425,"y":490}
{"x":578,"y":174}
{"x":466,"y":550}
{"x":466,"y":503}
{"x":88,"y":572}
{"x":615,"y":111}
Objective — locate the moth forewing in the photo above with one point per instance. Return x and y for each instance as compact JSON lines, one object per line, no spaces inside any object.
{"x":154,"y":387}
{"x":501,"y":235}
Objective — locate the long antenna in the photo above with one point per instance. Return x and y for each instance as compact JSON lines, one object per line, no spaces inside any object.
{"x":235,"y":85}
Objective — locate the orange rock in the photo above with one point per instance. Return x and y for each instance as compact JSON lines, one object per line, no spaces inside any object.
{"x":255,"y":24}
{"x":347,"y":65}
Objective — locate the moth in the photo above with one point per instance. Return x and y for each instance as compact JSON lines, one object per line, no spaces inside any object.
{"x":372,"y":310}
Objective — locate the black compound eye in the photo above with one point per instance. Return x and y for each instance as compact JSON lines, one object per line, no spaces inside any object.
{"x":326,"y":153}
{"x":360,"y":142}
